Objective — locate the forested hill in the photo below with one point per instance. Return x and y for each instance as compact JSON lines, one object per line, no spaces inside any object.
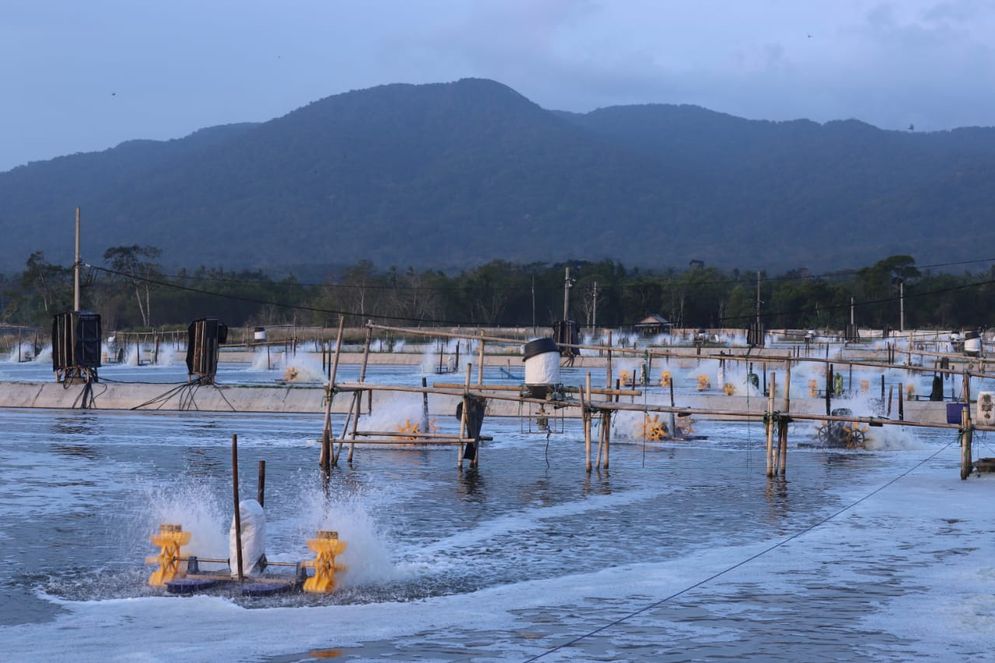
{"x":461,"y":173}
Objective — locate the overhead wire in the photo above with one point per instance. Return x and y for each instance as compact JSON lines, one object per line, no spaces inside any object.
{"x":729,"y":569}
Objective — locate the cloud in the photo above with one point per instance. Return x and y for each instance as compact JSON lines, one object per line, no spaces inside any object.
{"x":183,"y":65}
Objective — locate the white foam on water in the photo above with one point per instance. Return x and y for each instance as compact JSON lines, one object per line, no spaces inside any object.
{"x":531,"y":518}
{"x":892,"y":438}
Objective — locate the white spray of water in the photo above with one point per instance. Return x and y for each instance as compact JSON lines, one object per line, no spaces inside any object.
{"x":207,"y":517}
{"x":430,"y":360}
{"x":167,"y":355}
{"x":261,"y":361}
{"x":302,"y":368}
{"x":198,"y":510}
{"x":891,"y":438}
{"x":132,"y":358}
{"x":24,"y":353}
{"x":44,"y":356}
{"x":367,"y":555}
{"x":393,"y":413}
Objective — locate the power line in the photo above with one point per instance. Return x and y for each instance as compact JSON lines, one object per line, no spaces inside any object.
{"x":737,"y":565}
{"x":269,"y":302}
{"x":663,"y":281}
{"x":315,"y":309}
{"x":866,"y":302}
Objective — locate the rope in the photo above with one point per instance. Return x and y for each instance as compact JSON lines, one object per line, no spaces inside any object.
{"x":735,"y":566}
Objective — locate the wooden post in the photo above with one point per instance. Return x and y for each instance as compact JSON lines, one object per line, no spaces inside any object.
{"x":783,"y":463}
{"x":967,"y":436}
{"x":882,"y":388}
{"x":359,"y":394}
{"x":480,"y":360}
{"x":829,"y":389}
{"x":238,"y":510}
{"x":769,"y":425}
{"x":608,"y":369}
{"x":891,"y":391}
{"x":673,"y":417}
{"x":462,"y":419}
{"x":261,"y":484}
{"x":606,"y":427}
{"x":901,"y":401}
{"x":586,"y":416}
{"x":326,"y":436}
{"x":424,"y":406}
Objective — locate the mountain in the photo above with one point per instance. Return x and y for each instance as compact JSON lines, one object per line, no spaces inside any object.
{"x":460,"y":173}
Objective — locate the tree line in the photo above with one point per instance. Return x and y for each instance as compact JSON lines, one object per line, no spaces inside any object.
{"x":132,"y":291}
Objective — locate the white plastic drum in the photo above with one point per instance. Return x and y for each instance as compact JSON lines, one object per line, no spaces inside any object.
{"x":542,"y":362}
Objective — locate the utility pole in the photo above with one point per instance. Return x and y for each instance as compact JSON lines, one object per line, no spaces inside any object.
{"x":533,"y":303}
{"x":901,"y":305}
{"x":851,"y":312}
{"x":566,"y":295}
{"x":76,"y":266}
{"x":594,"y":315}
{"x":758,"y":307}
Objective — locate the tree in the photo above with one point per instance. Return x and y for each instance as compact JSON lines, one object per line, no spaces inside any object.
{"x":136,"y":264}
{"x":46,"y":279}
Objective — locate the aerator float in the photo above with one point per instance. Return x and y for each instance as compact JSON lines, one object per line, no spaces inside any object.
{"x":247,"y":566}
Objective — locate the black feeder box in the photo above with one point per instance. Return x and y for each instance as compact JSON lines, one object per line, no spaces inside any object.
{"x":755,"y":335}
{"x":76,"y":345}
{"x":567,"y":333}
{"x":204,"y":340}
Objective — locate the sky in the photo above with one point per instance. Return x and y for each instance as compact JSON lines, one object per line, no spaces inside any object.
{"x":83,"y":75}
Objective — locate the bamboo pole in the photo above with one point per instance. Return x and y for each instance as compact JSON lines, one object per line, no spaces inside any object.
{"x":261,"y":483}
{"x":769,"y":425}
{"x":463,"y":412}
{"x":480,"y":360}
{"x":518,"y":388}
{"x":326,"y":435}
{"x":586,"y":417}
{"x":967,"y":435}
{"x":659,"y":407}
{"x":606,"y":426}
{"x":670,"y":353}
{"x":358,"y":396}
{"x":238,"y":509}
{"x":783,"y":464}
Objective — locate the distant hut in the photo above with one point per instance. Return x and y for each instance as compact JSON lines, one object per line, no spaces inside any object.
{"x":652,"y":325}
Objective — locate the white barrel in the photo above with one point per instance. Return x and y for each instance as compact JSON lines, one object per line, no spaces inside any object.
{"x":972,"y":343}
{"x":259,"y":334}
{"x":542,"y":362}
{"x":543,"y":369}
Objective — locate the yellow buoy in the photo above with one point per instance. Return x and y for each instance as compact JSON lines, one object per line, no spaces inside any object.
{"x":704,"y":383}
{"x":325,"y":546}
{"x":170,"y":539}
{"x":665,"y":378}
{"x":729,"y":389}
